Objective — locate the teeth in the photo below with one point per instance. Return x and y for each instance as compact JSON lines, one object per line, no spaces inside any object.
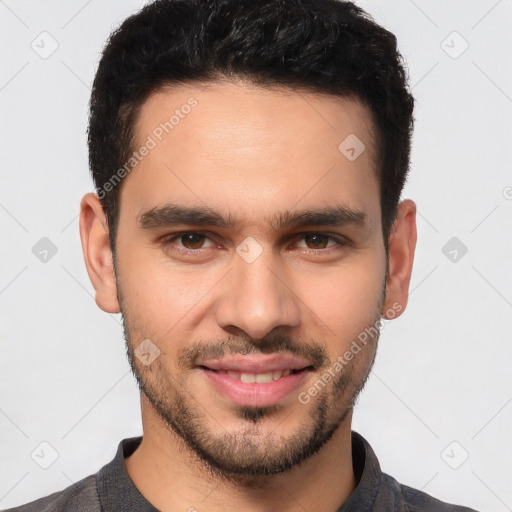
{"x":259,"y":378}
{"x":263,"y":378}
{"x":248,"y":377}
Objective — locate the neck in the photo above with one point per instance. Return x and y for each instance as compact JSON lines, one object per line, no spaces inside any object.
{"x":171,"y":477}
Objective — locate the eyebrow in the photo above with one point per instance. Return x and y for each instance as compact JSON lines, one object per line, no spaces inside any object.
{"x":169,"y":215}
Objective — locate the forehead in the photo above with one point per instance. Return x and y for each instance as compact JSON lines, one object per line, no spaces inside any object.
{"x":235,"y":144}
{"x":246,"y":113}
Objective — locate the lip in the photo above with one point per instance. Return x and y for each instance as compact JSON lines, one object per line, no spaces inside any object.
{"x":254,"y":394}
{"x":256,"y":363}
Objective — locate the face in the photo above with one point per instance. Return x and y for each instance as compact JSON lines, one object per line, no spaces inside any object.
{"x":250,"y":259}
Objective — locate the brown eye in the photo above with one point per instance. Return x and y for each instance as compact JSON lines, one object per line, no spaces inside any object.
{"x":316,"y":241}
{"x":192,"y":240}
{"x":187,"y":242}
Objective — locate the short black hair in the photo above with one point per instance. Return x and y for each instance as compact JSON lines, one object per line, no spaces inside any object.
{"x":324,"y":46}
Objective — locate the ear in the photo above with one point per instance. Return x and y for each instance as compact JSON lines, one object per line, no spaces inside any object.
{"x":97,"y":253}
{"x":402,"y":243}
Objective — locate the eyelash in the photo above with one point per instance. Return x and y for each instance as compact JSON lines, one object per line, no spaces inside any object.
{"x":169,"y":240}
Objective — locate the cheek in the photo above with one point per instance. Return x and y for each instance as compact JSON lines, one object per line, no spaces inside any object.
{"x":345,"y":301}
{"x":161,"y":297}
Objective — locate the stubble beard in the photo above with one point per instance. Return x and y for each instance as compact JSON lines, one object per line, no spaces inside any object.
{"x":251,"y":454}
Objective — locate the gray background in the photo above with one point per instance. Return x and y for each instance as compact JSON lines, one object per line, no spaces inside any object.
{"x":441,"y":390}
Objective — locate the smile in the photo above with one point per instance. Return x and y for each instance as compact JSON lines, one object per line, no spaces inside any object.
{"x":258,"y":378}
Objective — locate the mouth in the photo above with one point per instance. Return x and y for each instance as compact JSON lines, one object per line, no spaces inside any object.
{"x":260,"y":377}
{"x":258,"y":382}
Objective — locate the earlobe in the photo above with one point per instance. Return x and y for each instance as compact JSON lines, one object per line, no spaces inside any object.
{"x":94,"y":234}
{"x":402,"y":244}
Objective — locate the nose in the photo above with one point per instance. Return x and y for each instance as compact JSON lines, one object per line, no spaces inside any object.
{"x":257,"y":298}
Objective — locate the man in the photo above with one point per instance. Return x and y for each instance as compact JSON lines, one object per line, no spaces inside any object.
{"x":248,"y":159}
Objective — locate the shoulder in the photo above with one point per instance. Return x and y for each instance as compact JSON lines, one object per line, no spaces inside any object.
{"x":82,"y":496}
{"x":414,"y":500}
{"x":380,"y":492}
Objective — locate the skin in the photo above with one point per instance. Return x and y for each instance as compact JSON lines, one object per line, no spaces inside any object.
{"x":250,"y":153}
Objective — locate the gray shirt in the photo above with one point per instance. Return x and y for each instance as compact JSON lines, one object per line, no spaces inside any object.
{"x":111,"y":489}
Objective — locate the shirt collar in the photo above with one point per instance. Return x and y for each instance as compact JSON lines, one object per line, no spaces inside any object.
{"x":116,"y":490}
{"x":368,"y":476}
